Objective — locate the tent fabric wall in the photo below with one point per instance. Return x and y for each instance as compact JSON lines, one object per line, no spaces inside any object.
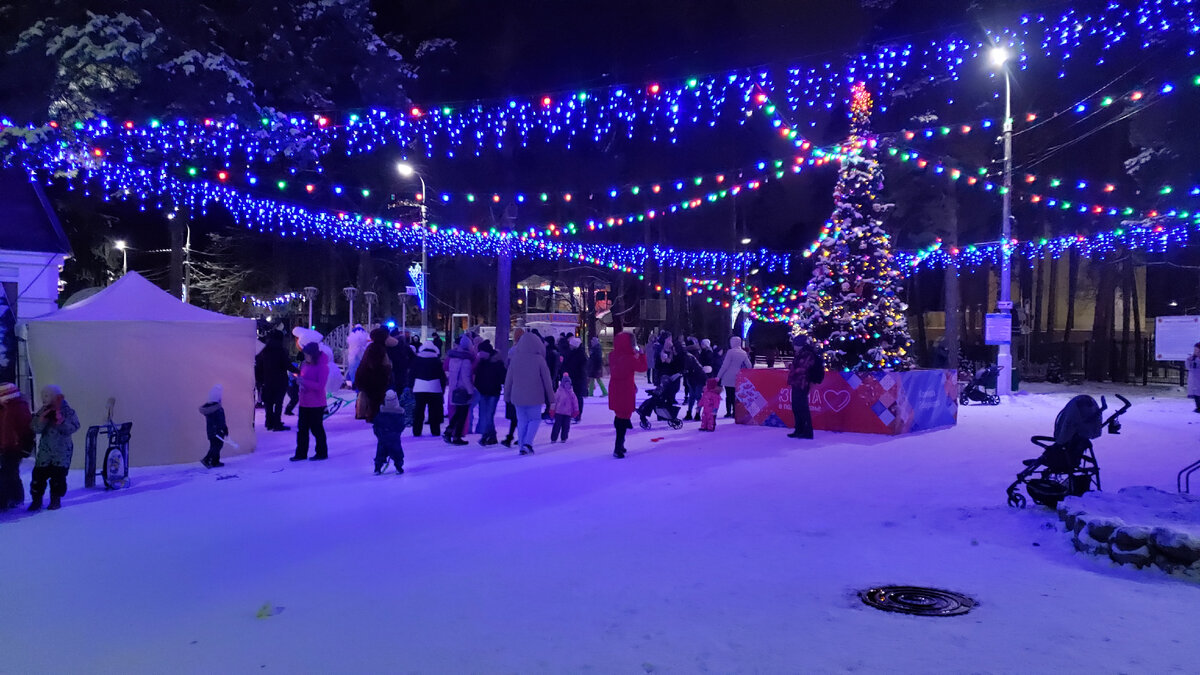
{"x":158,"y":357}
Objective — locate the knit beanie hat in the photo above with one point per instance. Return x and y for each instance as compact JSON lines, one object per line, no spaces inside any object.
{"x":390,"y":400}
{"x":214,"y":394}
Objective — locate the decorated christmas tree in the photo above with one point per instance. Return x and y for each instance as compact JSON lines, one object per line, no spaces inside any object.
{"x":852,"y":309}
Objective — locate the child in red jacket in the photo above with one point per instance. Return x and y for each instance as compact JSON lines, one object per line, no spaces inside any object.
{"x":710,"y":400}
{"x":565,"y":409}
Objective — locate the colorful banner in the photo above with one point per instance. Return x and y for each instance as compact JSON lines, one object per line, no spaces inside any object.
{"x":871,"y":403}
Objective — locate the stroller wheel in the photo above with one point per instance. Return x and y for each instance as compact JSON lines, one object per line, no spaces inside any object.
{"x":644,"y":423}
{"x":964,"y":400}
{"x":994,"y":399}
{"x":675,"y":423}
{"x":1016,"y":500}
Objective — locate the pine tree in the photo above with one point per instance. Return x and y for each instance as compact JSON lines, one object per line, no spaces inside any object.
{"x":852,"y":310}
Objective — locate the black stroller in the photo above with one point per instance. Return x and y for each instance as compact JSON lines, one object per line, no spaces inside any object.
{"x":661,"y":403}
{"x":1067,"y":465}
{"x":982,"y":387}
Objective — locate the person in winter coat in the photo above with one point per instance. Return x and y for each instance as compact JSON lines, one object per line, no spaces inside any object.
{"x":356,"y":346}
{"x":565,"y":408}
{"x":553,"y":358}
{"x":16,"y":443}
{"x":374,"y":374}
{"x":710,"y":400}
{"x":214,"y":428}
{"x":807,"y":369}
{"x":429,"y":381}
{"x":735,"y":360}
{"x":489,"y":381}
{"x":1193,"y":367}
{"x":55,"y":422}
{"x":401,"y":355}
{"x":529,"y":387}
{"x":389,"y":427}
{"x":314,"y":373}
{"x":694,"y":377}
{"x":671,"y":364}
{"x":575,"y":365}
{"x":273,"y":362}
{"x":623,"y":363}
{"x":510,"y":413}
{"x":459,"y":363}
{"x":595,"y":367}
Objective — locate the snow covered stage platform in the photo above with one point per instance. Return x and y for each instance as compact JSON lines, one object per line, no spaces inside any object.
{"x":735,"y":551}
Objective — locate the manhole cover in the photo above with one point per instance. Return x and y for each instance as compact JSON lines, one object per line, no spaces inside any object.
{"x":917,"y":600}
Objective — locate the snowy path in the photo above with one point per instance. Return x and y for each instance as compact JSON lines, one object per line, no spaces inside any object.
{"x":738,"y":551}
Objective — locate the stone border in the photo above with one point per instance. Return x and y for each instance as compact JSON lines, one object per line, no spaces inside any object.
{"x":1171,"y":551}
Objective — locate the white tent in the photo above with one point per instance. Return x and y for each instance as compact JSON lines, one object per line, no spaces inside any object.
{"x":158,"y":357}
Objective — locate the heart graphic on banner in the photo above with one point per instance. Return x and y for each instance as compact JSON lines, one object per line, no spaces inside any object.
{"x":836,"y":399}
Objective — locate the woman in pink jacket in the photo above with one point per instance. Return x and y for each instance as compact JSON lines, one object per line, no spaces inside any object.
{"x":313,"y":375}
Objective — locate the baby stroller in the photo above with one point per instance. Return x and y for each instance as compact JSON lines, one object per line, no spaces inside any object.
{"x":1067,"y":465}
{"x":662,"y":405}
{"x":982,"y":387}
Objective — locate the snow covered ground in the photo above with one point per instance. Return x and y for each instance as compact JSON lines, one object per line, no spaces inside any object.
{"x":738,"y":551}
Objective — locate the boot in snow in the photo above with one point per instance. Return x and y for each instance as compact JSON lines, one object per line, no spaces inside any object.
{"x":55,"y":504}
{"x":35,"y":503}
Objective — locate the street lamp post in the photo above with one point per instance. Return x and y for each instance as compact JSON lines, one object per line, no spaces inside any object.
{"x":371,"y":299}
{"x":124,"y":249}
{"x":999,"y":57}
{"x":407,"y":171}
{"x":310,"y":293}
{"x":350,"y":292}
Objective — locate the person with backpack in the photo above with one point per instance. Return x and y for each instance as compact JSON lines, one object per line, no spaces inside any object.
{"x":807,"y":369}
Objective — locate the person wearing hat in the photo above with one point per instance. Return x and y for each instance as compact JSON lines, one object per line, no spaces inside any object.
{"x":16,"y":443}
{"x":429,"y":381}
{"x":273,"y":363}
{"x":388,"y":426}
{"x":215,"y":428}
{"x":56,"y":422}
{"x":807,"y":368}
{"x":575,"y":365}
{"x":314,"y":374}
{"x":489,"y":381}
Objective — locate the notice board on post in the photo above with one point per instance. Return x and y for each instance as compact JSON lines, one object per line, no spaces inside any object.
{"x":1174,"y":337}
{"x":997,"y":329}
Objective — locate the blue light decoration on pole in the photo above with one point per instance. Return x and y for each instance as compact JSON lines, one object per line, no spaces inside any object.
{"x":418,"y":278}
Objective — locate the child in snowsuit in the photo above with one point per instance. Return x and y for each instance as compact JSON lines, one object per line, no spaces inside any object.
{"x":710,"y":400}
{"x":215,"y":427}
{"x":565,"y":409}
{"x":389,"y":425}
{"x":56,"y":422}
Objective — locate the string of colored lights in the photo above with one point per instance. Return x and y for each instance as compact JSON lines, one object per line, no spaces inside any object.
{"x":656,"y":111}
{"x":160,"y":190}
{"x":271,"y":303}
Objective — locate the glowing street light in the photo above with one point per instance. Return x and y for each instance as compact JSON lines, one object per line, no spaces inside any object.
{"x":120,"y":246}
{"x":406,"y":170}
{"x":999,"y":56}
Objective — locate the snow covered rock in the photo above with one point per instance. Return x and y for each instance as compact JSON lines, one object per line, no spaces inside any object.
{"x":1139,"y":557}
{"x":1177,"y":547}
{"x":1101,"y":528}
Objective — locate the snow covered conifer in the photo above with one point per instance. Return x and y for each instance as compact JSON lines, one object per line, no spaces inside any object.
{"x":851,"y":307}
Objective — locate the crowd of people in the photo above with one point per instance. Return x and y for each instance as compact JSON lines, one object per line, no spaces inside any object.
{"x":403,"y":383}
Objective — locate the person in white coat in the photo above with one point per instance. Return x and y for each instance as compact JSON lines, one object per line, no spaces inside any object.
{"x":356,"y":346}
{"x":735,"y":360}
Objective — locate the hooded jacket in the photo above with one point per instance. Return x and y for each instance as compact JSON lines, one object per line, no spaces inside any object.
{"x":798,"y":375}
{"x":214,"y":415}
{"x":623,"y":362}
{"x":528,"y":381}
{"x":428,"y":375}
{"x":458,"y":366}
{"x":595,"y":364}
{"x":735,"y":360}
{"x":565,"y":401}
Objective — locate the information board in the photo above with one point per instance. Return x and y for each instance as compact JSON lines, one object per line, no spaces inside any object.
{"x":1174,"y":337}
{"x":997,"y":329}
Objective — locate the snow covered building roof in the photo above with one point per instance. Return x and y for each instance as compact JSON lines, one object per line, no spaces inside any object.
{"x":27,"y":222}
